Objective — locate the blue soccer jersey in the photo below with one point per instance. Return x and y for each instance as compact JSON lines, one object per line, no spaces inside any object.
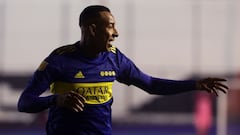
{"x":65,"y":69}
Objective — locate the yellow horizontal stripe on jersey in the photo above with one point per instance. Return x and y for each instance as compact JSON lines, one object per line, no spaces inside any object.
{"x":94,"y":93}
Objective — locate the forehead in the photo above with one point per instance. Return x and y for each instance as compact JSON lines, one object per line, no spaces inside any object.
{"x":107,"y":17}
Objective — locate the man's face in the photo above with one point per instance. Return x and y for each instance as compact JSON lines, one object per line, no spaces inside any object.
{"x":105,"y":31}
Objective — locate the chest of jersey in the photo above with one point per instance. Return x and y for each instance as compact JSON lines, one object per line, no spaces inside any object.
{"x":93,"y":81}
{"x":83,"y":72}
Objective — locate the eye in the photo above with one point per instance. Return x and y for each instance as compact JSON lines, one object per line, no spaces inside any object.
{"x":111,"y":25}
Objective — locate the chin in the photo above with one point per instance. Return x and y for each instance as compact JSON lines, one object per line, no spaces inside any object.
{"x":108,"y":47}
{"x":108,"y":50}
{"x":105,"y":50}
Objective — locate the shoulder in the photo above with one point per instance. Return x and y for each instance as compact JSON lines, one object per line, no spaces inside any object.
{"x":64,"y":50}
{"x":58,"y":55}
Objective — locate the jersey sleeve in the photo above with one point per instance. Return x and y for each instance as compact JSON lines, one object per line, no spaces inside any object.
{"x":130,"y":74}
{"x":30,"y":100}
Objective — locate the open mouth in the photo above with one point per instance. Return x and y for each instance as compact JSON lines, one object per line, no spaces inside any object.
{"x":110,"y":42}
{"x":109,"y":45}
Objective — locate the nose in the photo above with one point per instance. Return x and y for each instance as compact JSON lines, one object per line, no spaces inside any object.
{"x":115,"y":33}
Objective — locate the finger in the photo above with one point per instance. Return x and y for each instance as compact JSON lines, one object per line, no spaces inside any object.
{"x":210,"y":90}
{"x":75,"y":101}
{"x":221,"y":89}
{"x":79,"y":96}
{"x":215,"y":91}
{"x":222,"y":85}
{"x":76,"y":108}
{"x":218,"y":79}
{"x":79,"y":99}
{"x":205,"y":87}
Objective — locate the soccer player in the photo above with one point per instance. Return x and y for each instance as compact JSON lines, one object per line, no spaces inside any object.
{"x":80,"y":77}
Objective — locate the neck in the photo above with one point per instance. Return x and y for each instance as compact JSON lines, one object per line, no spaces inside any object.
{"x":88,"y":50}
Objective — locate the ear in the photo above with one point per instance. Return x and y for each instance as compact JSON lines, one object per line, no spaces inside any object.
{"x":92,"y":29}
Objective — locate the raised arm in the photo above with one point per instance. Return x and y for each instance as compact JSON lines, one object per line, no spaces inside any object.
{"x":131,"y":75}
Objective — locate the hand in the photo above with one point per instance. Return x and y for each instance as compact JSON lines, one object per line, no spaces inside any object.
{"x":212,"y":85}
{"x":71,"y":100}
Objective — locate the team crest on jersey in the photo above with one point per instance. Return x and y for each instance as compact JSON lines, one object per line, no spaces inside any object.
{"x":42,"y":66}
{"x":79,"y":75}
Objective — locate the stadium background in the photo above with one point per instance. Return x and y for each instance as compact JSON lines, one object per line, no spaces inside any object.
{"x":174,"y":39}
